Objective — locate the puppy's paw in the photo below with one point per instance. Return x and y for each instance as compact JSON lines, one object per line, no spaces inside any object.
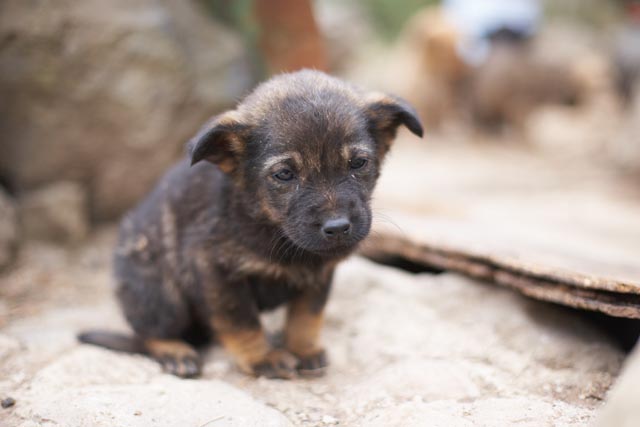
{"x":185,"y":366}
{"x":313,"y":365}
{"x":175,"y":357}
{"x":276,"y":364}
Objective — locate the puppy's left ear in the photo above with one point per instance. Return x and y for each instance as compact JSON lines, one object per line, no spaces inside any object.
{"x":384,"y":113}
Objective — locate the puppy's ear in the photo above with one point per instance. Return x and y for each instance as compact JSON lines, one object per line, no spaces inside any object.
{"x":220,"y":141}
{"x":385,"y":113}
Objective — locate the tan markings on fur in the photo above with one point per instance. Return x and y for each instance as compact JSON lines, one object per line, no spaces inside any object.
{"x":357,"y":148}
{"x":230,"y":118}
{"x":376,"y":98}
{"x":330,"y":196}
{"x":274,"y":160}
{"x":303,"y":328}
{"x":384,"y":121}
{"x":159,"y":348}
{"x":256,"y":265}
{"x":269,"y":163}
{"x":237,"y":144}
{"x":169,"y":235}
{"x":227,"y":165}
{"x":246,"y":264}
{"x":248,"y":347}
{"x":313,"y":161}
{"x":300,"y":277}
{"x":170,"y":246}
{"x":271,"y":213}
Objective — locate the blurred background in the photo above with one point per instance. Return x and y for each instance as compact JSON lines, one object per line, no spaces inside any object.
{"x":98,"y":98}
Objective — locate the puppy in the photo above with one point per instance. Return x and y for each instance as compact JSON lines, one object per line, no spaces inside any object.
{"x":273,"y":195}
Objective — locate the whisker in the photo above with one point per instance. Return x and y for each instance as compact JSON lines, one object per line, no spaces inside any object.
{"x":383,"y":218}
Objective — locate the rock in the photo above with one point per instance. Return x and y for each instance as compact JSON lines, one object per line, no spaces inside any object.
{"x":624,"y":146}
{"x":8,"y":229}
{"x":8,"y":402}
{"x":345,"y":28}
{"x":106,"y":93}
{"x":621,"y":409}
{"x":626,"y":57}
{"x":570,"y":131}
{"x":405,"y":350}
{"x":163,"y":401}
{"x":57,"y":213}
{"x":328,"y":419}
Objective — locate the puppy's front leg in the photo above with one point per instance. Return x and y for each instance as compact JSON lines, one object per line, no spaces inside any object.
{"x":236,"y":322}
{"x":305,"y":317}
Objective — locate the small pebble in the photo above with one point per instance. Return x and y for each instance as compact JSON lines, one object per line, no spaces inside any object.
{"x":8,"y":402}
{"x":328,"y":419}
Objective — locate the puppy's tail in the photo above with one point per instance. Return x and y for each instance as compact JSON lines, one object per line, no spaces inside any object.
{"x":113,"y":341}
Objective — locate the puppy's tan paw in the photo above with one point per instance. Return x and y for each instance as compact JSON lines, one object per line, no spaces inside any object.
{"x":313,"y":365}
{"x":176,"y":357}
{"x":276,"y":364}
{"x":184,"y":367}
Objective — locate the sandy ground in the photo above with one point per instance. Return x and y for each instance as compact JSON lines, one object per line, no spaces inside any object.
{"x":423,"y":350}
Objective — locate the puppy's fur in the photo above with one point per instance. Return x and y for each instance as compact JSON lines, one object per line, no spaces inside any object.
{"x":273,"y":195}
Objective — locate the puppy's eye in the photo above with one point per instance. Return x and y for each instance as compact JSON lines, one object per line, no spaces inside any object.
{"x":357,"y":163}
{"x":284,"y":175}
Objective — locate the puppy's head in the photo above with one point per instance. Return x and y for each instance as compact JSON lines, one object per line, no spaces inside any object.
{"x":304,"y":151}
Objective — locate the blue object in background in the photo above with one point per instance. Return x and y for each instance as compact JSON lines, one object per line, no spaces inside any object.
{"x":478,"y":20}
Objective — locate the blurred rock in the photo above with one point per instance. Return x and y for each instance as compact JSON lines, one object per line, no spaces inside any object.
{"x":436,"y":357}
{"x":56,"y":213}
{"x":626,"y":56}
{"x":8,"y":229}
{"x":578,"y":131}
{"x":142,"y":404}
{"x":621,"y":409}
{"x":624,"y":147}
{"x":562,"y":129}
{"x":346,"y":30}
{"x":106,"y":93}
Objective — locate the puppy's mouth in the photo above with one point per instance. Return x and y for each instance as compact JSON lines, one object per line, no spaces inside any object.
{"x":327,"y":248}
{"x":336,"y":250}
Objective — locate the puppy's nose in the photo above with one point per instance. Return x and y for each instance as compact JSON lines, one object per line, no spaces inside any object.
{"x":336,"y":227}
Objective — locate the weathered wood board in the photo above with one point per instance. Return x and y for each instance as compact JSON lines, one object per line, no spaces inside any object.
{"x":565,"y":234}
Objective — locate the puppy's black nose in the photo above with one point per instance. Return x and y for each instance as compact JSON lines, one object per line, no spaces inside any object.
{"x":336,"y":227}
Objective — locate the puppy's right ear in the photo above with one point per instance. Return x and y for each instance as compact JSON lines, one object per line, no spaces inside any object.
{"x":221,"y":141}
{"x":384,"y":114}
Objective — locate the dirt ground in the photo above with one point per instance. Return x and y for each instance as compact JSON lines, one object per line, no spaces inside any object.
{"x":437,"y":350}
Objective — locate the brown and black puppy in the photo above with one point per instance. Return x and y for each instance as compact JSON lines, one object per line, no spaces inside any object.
{"x":282,"y":196}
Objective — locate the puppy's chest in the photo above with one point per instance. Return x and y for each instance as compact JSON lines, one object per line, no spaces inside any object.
{"x":274,"y":285}
{"x":270,"y":294}
{"x":271,"y":273}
